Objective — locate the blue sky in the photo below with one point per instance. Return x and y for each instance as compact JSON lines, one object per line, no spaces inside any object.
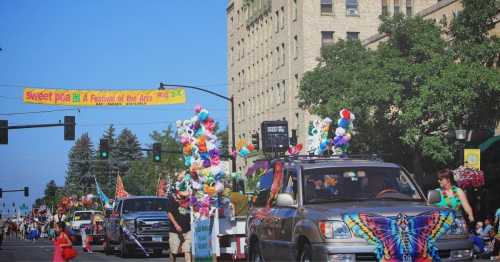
{"x":94,"y":44}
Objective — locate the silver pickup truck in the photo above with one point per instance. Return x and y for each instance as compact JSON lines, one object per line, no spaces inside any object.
{"x":144,"y":217}
{"x":307,"y":221}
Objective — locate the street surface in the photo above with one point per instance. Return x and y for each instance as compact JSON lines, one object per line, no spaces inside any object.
{"x":41,"y":250}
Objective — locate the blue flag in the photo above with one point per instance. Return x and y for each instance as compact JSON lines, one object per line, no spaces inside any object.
{"x":102,"y":196}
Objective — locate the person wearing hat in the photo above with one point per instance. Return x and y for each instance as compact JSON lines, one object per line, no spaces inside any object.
{"x":180,"y":220}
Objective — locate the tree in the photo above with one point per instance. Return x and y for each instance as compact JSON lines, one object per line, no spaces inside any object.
{"x":407,"y":95}
{"x":127,"y":150}
{"x":104,"y":171}
{"x":50,"y":193}
{"x":222,"y":135}
{"x":144,"y":174}
{"x":471,"y":41}
{"x":80,"y":157}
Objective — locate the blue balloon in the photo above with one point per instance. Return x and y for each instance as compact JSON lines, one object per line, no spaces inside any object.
{"x":344,"y":123}
{"x":203,"y":115}
{"x":188,"y":160}
{"x":244,"y":152}
{"x":322,"y":146}
{"x":337,"y":141}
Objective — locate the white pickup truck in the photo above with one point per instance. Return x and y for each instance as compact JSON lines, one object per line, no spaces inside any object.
{"x":83,"y":219}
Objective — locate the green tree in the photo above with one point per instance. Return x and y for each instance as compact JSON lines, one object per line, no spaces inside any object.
{"x":407,"y":95}
{"x":144,"y":174}
{"x":104,"y":171}
{"x":80,"y":157}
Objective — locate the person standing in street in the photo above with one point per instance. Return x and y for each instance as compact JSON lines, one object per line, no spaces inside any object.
{"x":497,"y":219}
{"x":452,"y":196}
{"x":2,"y":226}
{"x":180,"y":225}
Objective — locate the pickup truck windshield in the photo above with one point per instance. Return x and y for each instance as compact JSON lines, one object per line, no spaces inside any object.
{"x":144,"y":204}
{"x":357,"y":184}
{"x":82,"y":216}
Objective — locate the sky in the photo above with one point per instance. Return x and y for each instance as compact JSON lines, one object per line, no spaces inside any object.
{"x":95,"y":44}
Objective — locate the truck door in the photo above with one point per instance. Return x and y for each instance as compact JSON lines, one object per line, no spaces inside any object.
{"x":284,"y":218}
{"x":114,"y":222}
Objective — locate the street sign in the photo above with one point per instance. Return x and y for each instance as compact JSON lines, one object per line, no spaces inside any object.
{"x":472,"y":158}
{"x":275,"y":136}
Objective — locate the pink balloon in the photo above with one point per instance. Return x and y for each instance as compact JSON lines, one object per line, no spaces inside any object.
{"x":197,"y":108}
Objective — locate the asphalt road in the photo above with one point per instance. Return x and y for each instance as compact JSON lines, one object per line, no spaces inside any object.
{"x":15,"y":250}
{"x":22,"y":250}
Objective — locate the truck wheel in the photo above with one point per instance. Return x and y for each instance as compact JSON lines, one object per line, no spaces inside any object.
{"x":157,"y":252}
{"x":108,"y":249}
{"x":124,"y":250}
{"x":255,"y":255}
{"x":306,"y":253}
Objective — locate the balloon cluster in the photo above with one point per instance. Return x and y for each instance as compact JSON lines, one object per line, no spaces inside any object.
{"x":343,"y":132}
{"x":88,"y":200}
{"x":202,"y":158}
{"x":242,"y":149}
{"x":318,"y":141}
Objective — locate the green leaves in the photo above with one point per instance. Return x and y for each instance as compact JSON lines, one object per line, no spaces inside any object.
{"x":410,"y":92}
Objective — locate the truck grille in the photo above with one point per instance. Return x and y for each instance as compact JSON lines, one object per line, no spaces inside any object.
{"x":152,"y":226}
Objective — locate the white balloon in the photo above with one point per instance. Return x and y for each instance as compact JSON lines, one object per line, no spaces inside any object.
{"x":339,"y":131}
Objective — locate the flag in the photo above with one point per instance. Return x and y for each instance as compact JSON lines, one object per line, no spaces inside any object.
{"x":161,"y":188}
{"x":120,"y":189}
{"x":102,"y":196}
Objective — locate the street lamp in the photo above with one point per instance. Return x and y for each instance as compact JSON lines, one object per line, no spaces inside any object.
{"x":230,"y":99}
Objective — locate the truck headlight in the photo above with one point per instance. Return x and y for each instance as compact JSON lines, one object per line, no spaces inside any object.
{"x":459,"y":227}
{"x":130,"y":225}
{"x":334,"y":230}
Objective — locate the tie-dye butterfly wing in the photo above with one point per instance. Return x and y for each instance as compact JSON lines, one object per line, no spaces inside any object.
{"x":377,"y":230}
{"x":426,"y":229}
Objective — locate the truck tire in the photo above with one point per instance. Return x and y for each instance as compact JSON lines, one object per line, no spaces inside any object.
{"x":157,"y":252}
{"x":306,"y":253}
{"x":255,"y":254}
{"x":108,"y":249}
{"x":124,"y":250}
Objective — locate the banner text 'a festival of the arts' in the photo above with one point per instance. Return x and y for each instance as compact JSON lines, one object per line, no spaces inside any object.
{"x":103,"y":97}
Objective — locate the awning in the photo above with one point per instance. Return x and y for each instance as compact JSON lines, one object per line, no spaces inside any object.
{"x":488,"y":143}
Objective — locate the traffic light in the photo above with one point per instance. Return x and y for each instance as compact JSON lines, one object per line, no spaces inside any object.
{"x":4,"y":132}
{"x":255,"y":141}
{"x":26,"y":191}
{"x":104,"y":149}
{"x":293,"y":139}
{"x":1,"y":193}
{"x":13,"y":204}
{"x":69,"y":128}
{"x":157,"y":152}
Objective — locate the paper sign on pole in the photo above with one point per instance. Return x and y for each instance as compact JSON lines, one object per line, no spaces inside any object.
{"x":202,"y":248}
{"x":66,"y":97}
{"x":472,"y":158}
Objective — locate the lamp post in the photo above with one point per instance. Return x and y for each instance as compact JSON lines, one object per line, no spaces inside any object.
{"x":230,"y":99}
{"x":460,"y":136}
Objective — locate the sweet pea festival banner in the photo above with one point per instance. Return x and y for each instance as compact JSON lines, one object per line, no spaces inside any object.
{"x":67,"y":97}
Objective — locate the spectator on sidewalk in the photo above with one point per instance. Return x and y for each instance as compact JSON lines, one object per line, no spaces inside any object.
{"x":2,"y":227}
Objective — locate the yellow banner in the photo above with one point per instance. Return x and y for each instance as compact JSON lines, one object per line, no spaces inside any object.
{"x":472,"y":158}
{"x":104,"y":97}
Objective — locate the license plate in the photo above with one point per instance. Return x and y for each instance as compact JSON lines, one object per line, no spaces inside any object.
{"x":157,"y":239}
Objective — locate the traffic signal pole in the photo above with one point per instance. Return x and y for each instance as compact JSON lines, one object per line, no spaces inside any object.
{"x":69,"y":128}
{"x":230,"y":99}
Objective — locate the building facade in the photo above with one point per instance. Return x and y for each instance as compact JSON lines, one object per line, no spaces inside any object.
{"x":272,"y":43}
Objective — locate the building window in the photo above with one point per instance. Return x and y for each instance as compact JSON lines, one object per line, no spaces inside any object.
{"x":352,"y":36}
{"x":283,"y":54}
{"x":242,"y":48}
{"x":385,"y":8}
{"x":278,"y":56}
{"x":277,"y":25}
{"x":276,"y":94}
{"x":351,"y":7}
{"x":297,"y":84}
{"x":295,"y":47}
{"x":283,"y":97}
{"x":326,"y":7}
{"x":283,"y":17}
{"x":295,"y":10}
{"x":326,"y":38}
{"x":396,"y":7}
{"x":409,"y":7}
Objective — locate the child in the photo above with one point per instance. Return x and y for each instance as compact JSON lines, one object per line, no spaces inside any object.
{"x":63,"y":247}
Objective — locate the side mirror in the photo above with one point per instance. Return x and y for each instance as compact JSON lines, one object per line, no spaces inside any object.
{"x":284,"y":200}
{"x":433,"y":197}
